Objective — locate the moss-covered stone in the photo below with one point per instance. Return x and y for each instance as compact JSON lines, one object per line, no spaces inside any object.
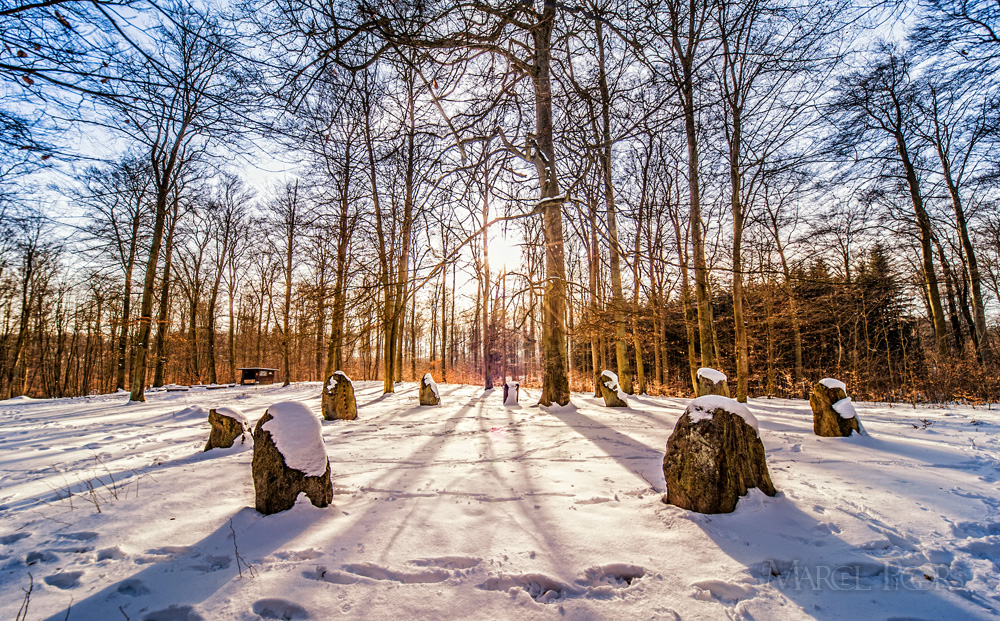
{"x":338,"y":401}
{"x":827,"y":422}
{"x":225,"y":430}
{"x":712,"y":382}
{"x":611,"y":390}
{"x":713,"y":461}
{"x":428,"y":391}
{"x":276,"y":485}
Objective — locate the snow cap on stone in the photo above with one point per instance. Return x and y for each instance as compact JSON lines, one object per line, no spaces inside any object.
{"x":704,"y":407}
{"x":612,"y":384}
{"x":429,"y":380}
{"x":712,"y":375}
{"x":833,"y":384}
{"x":234,"y":414}
{"x":332,"y":384}
{"x":298,"y":435}
{"x":845,"y":408}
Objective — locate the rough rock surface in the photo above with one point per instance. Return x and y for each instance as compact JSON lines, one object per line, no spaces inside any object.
{"x":338,"y":398}
{"x":510,"y":392}
{"x":714,"y":456}
{"x":276,"y":485}
{"x":429,"y":391}
{"x":611,"y":391}
{"x":712,"y":382}
{"x":227,"y":425}
{"x":827,"y":421}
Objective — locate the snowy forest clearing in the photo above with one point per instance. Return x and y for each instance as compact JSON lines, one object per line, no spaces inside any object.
{"x":479,"y":510}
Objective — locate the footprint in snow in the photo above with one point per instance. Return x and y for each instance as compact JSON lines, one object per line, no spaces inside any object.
{"x":448,"y":562}
{"x":169,"y":550}
{"x":614,"y":575}
{"x":377,"y":572}
{"x":541,"y":588}
{"x":40,"y":556}
{"x":14,"y":538}
{"x":174,"y":613}
{"x":275,"y":608}
{"x":133,"y":587}
{"x":602,"y":582}
{"x":85,"y":535}
{"x":976,"y":529}
{"x":212,"y":563}
{"x":114,"y":554}
{"x":332,"y":576}
{"x":64,"y":580}
{"x":727,"y":592}
{"x":596,"y":500}
{"x":298,"y":555}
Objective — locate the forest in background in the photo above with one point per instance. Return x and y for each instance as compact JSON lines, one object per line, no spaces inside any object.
{"x":779,"y":189}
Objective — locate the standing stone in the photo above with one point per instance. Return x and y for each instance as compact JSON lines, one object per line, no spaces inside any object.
{"x":338,"y":398}
{"x":227,"y":425}
{"x":714,"y":456}
{"x":611,"y":391}
{"x":510,"y":390}
{"x":289,"y":458}
{"x":429,"y":394}
{"x":712,"y":382}
{"x":833,"y":413}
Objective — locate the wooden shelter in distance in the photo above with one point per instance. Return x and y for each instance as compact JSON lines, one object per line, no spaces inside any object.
{"x":257,"y":375}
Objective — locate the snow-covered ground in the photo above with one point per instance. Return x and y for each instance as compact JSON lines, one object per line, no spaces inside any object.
{"x":476,"y":510}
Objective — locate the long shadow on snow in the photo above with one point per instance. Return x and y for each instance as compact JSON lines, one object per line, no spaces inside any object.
{"x":784,"y":547}
{"x":197,"y":571}
{"x":521,"y":512}
{"x":106,"y":480}
{"x":644,"y":461}
{"x":421,"y":517}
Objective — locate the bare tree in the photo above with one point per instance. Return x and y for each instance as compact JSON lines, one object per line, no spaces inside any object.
{"x":878,"y":109}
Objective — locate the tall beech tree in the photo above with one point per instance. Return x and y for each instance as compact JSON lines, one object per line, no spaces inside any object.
{"x":878,"y":111}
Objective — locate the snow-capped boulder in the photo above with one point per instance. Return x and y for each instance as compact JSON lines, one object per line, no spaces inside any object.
{"x":338,"y":398}
{"x":227,"y":425}
{"x":429,"y":394}
{"x":712,"y":382}
{"x":833,"y":413}
{"x":510,"y":390}
{"x":714,"y":456}
{"x":611,"y":391}
{"x":288,"y":458}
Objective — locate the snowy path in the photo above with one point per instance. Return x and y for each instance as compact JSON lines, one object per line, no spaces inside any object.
{"x":474,"y":510}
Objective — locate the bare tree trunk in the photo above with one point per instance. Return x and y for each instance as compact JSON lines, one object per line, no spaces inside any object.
{"x":975,"y":279}
{"x":701,"y":286}
{"x":487,"y":344}
{"x":769,"y":313}
{"x":640,"y":370}
{"x":618,"y":299}
{"x":444,"y":308}
{"x":127,"y":299}
{"x":595,"y":275}
{"x":927,"y":255}
{"x":146,"y":306}
{"x":689,"y":314}
{"x":555,"y":380}
{"x":15,"y":383}
{"x":232,"y":323}
{"x":949,"y":288}
{"x":290,"y":235}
